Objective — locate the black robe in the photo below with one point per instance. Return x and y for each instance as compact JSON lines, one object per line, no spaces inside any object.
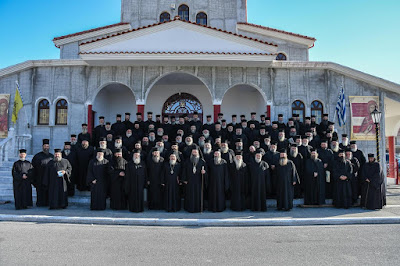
{"x":259,"y":183}
{"x":272,"y":159}
{"x":299,"y":163}
{"x":39,"y":162}
{"x":99,"y":171}
{"x":195,"y":184}
{"x":171,"y":181}
{"x":57,"y":186}
{"x":342,"y":192}
{"x":373,"y":196}
{"x":135,"y":178}
{"x":239,"y":185}
{"x":154,"y":176}
{"x":71,"y":157}
{"x":327,"y":157}
{"x":83,"y":157}
{"x":287,"y":175}
{"x":22,"y":187}
{"x":218,"y":184}
{"x":117,"y":197}
{"x":314,"y":187}
{"x":355,"y":189}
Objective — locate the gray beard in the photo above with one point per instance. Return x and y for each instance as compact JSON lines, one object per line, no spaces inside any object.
{"x":84,"y":131}
{"x":57,"y":159}
{"x":314,"y":158}
{"x":335,"y":149}
{"x":257,"y":160}
{"x":104,"y":146}
{"x":67,"y":152}
{"x":161,"y":149}
{"x":294,"y":153}
{"x":194,"y":160}
{"x":201,"y":143}
{"x":73,"y":142}
{"x":99,"y":158}
{"x":152,"y":138}
{"x":345,"y":143}
{"x":224,"y":149}
{"x":281,"y":138}
{"x":217,"y":160}
{"x":353,"y":150}
{"x":118,"y":145}
{"x":136,"y":161}
{"x":172,"y":162}
{"x":188,"y":143}
{"x":283,"y":161}
{"x":156,"y":159}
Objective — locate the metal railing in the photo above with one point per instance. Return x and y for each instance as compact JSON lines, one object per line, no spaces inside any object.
{"x":10,"y":146}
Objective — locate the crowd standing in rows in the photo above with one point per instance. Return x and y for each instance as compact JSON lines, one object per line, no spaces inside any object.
{"x":243,"y":162}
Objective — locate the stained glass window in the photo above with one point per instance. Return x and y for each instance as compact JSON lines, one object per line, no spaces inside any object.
{"x":299,"y":108}
{"x":182,"y":103}
{"x":317,"y":109}
{"x":183,"y":12}
{"x":165,"y":16}
{"x":281,"y":57}
{"x":201,"y":18}
{"x":61,"y":112}
{"x":43,"y":112}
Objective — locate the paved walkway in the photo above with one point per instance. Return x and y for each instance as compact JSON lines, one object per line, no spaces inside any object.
{"x":298,"y":216}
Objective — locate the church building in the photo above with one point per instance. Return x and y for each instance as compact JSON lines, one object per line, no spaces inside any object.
{"x":171,"y":58}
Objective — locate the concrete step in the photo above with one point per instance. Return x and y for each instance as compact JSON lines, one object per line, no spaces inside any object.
{"x":5,"y":173}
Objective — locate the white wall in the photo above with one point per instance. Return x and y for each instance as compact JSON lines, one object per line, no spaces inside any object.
{"x":243,"y":99}
{"x":113,"y":100}
{"x":160,"y":93}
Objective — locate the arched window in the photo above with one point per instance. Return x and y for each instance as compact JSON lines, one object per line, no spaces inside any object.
{"x":201,"y":18}
{"x":182,"y":104}
{"x":183,"y":12}
{"x":61,"y":112}
{"x":317,"y":109}
{"x":165,"y":16}
{"x":299,"y":108}
{"x":281,"y":57}
{"x":43,"y":112}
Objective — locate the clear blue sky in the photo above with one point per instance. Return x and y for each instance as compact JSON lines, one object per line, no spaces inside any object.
{"x":362,"y":34}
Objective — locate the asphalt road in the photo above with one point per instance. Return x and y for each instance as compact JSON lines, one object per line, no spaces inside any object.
{"x":62,"y":244}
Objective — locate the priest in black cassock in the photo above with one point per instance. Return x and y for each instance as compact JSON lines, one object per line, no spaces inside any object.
{"x":259,"y":182}
{"x":117,"y":197}
{"x":70,"y":154}
{"x":298,"y":161}
{"x":341,"y":174}
{"x":170,"y":181}
{"x":373,"y":196}
{"x":218,"y":183}
{"x":287,"y":178}
{"x":56,"y":179}
{"x":135,"y":178}
{"x":239,"y":182}
{"x":155,"y":164}
{"x":22,"y":174}
{"x":314,"y":180}
{"x":98,"y":172}
{"x":84,"y":154}
{"x":39,"y":163}
{"x":194,"y":177}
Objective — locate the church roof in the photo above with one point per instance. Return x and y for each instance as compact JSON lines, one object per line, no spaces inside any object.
{"x":276,"y":30}
{"x":177,"y":18}
{"x":91,"y":30}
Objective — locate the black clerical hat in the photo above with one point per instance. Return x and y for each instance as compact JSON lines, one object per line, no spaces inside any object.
{"x":67,"y":143}
{"x":57,"y":150}
{"x":371,"y":155}
{"x":22,"y":151}
{"x":73,"y":136}
{"x":101,"y":117}
{"x":46,"y":141}
{"x":117,"y":150}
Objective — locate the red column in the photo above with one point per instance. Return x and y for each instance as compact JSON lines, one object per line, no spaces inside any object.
{"x":90,"y":118}
{"x":217,"y":110}
{"x":268,"y":114}
{"x":140,"y":109}
{"x":391,"y":157}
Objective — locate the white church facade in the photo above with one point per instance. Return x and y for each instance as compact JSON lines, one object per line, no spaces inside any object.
{"x":172,"y":57}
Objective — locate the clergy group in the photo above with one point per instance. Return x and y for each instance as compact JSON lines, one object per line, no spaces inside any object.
{"x":173,"y":163}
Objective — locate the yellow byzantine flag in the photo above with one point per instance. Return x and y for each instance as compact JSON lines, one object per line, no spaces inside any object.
{"x":18,"y":104}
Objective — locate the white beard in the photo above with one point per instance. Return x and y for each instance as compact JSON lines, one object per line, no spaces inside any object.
{"x":258,"y":160}
{"x":353,"y":150}
{"x":103,"y":146}
{"x":224,"y":149}
{"x":156,"y":159}
{"x":152,"y":138}
{"x":238,"y":163}
{"x":294,"y":153}
{"x":283,"y":161}
{"x":136,"y":161}
{"x":161,"y":149}
{"x":281,"y":138}
{"x":188,"y":143}
{"x":335,"y":149}
{"x":172,"y":162}
{"x":206,"y":135}
{"x":67,"y":152}
{"x":209,"y":122}
{"x":99,"y":158}
{"x":207,"y":151}
{"x":345,"y":143}
{"x":118,"y":145}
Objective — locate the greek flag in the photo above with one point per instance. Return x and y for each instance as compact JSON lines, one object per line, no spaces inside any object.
{"x":341,"y":108}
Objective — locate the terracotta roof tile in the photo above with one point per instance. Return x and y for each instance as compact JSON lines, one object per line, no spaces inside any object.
{"x":91,"y":30}
{"x":276,"y":30}
{"x":177,"y":18}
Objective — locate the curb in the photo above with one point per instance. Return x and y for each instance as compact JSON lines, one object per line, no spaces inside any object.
{"x":198,"y":222}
